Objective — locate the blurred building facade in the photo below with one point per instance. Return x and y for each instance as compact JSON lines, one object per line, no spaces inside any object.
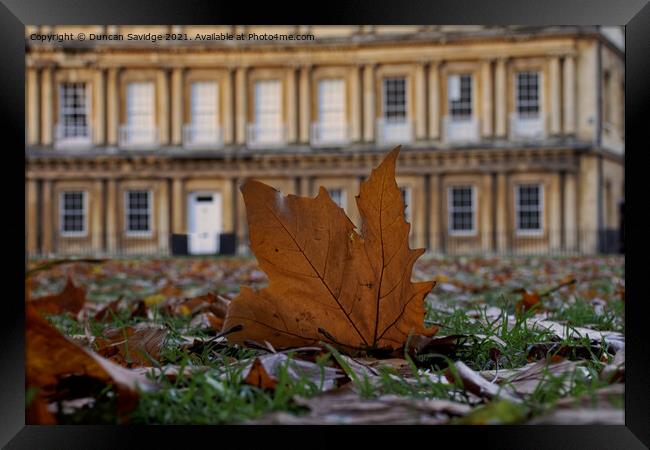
{"x":512,"y":137}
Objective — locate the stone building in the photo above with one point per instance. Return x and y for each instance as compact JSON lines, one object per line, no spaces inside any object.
{"x":512,"y":137}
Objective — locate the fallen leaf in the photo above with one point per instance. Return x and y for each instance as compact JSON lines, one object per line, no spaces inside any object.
{"x":264,"y":371}
{"x":132,"y":346}
{"x":258,"y":376}
{"x":70,"y":299}
{"x":344,"y":406}
{"x":476,"y":384}
{"x":326,"y":281}
{"x":615,"y":372}
{"x":206,"y":321}
{"x":154,"y":299}
{"x":107,"y":313}
{"x":51,"y":357}
{"x":501,"y":412}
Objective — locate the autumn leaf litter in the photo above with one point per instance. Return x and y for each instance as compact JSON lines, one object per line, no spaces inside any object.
{"x":152,"y":341}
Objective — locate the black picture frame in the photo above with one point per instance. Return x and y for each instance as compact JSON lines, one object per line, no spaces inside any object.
{"x":634,"y":14}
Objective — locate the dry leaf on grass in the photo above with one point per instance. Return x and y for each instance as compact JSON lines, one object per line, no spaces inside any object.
{"x":132,"y":346}
{"x":344,"y":406}
{"x":326,"y":281}
{"x":473,"y":382}
{"x":51,"y":357}
{"x":71,"y":299}
{"x":264,"y":371}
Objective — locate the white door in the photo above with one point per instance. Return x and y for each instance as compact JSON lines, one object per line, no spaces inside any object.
{"x":204,"y":222}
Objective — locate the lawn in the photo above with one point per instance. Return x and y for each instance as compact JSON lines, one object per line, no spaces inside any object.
{"x":520,"y":340}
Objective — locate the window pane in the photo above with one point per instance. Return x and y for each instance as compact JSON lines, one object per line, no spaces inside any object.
{"x":394,"y":90}
{"x":529,"y":207}
{"x":73,"y":110}
{"x":138,"y":211}
{"x":460,"y":96}
{"x":528,"y":94}
{"x":72,"y":212}
{"x":461,"y":208}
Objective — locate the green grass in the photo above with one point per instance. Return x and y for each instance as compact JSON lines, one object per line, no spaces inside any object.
{"x":217,"y":394}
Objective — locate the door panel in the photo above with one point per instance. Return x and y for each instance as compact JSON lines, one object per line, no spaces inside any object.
{"x":204,"y":222}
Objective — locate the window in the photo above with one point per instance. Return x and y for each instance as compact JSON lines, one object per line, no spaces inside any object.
{"x":338,"y":197}
{"x":461,"y":210}
{"x":528,"y":208}
{"x":406,"y":198}
{"x":394,"y":108}
{"x":527,"y":94}
{"x":140,"y":113}
{"x":459,"y":93}
{"x":73,"y":213}
{"x":331,"y":110}
{"x":73,"y":112}
{"x":607,"y":109}
{"x":138,"y":212}
{"x":204,"y":111}
{"x":268,"y":111}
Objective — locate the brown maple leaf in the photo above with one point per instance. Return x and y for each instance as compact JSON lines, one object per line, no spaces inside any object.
{"x":326,"y":281}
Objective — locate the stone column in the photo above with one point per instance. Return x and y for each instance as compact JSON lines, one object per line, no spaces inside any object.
{"x":501,"y":98}
{"x":554,"y":212}
{"x":111,"y":217}
{"x":434,"y":101}
{"x":99,"y":106}
{"x":227,"y":99}
{"x":33,"y":110}
{"x":570,"y":211}
{"x":163,"y":216}
{"x":96,"y":215}
{"x":304,"y":115}
{"x":569,"y":86}
{"x":420,"y":102}
{"x":485,"y":211}
{"x":502,"y":231}
{"x":178,"y":206}
{"x":369,"y":116}
{"x":240,"y":102}
{"x":554,"y":88}
{"x":47,"y":106}
{"x":228,"y":211}
{"x":163,"y":106}
{"x":290,"y":101}
{"x":112,"y":98}
{"x":47,"y":217}
{"x":355,"y":103}
{"x":486,"y":98}
{"x":31,"y":219}
{"x":435,"y":197}
{"x":177,"y":106}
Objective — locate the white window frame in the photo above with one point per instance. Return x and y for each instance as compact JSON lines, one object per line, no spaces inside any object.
{"x":72,"y":140}
{"x":84,"y":204}
{"x":529,"y":232}
{"x":384,"y":98}
{"x":407,"y":198}
{"x":450,"y":211}
{"x":472,"y":112}
{"x":198,"y":131}
{"x":263,"y":135}
{"x":327,"y":132}
{"x":539,"y":94}
{"x":135,"y":233}
{"x":344,"y":203}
